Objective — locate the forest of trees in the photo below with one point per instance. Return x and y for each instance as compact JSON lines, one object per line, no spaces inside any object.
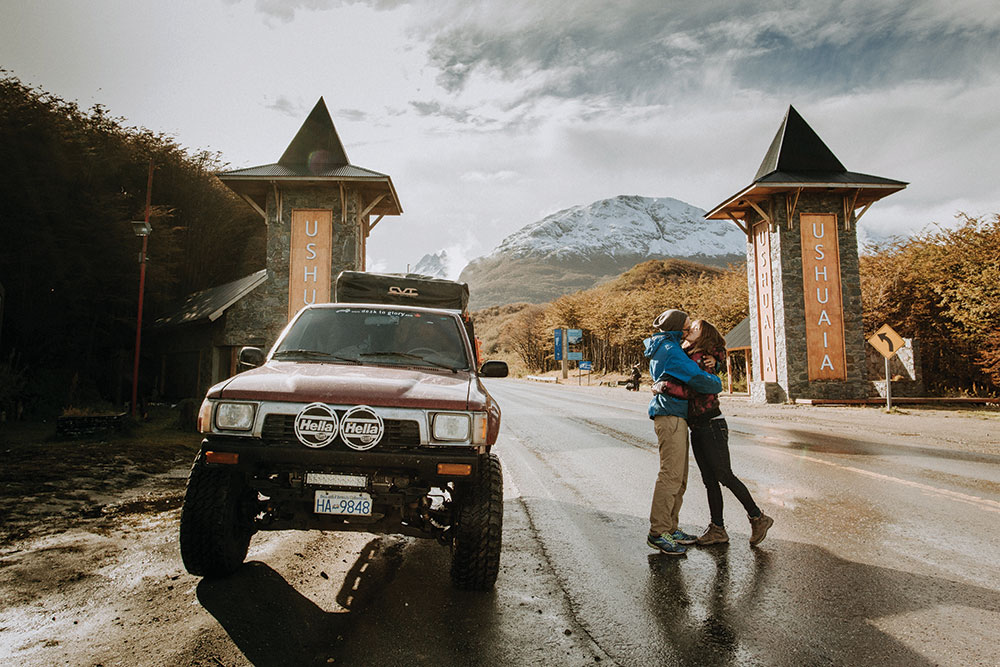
{"x":941,"y":288}
{"x":71,"y":180}
{"x":616,"y":316}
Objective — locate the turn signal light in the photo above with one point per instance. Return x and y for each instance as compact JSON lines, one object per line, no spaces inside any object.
{"x":228,"y":458}
{"x":460,"y":469}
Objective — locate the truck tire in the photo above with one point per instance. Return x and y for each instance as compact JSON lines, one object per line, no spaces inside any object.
{"x":475,"y":558}
{"x":216,"y":521}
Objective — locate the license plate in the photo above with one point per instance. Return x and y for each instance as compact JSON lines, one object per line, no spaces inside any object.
{"x":333,"y":479}
{"x":350,"y":503}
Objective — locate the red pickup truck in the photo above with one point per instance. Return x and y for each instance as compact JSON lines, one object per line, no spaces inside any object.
{"x":362,"y":417}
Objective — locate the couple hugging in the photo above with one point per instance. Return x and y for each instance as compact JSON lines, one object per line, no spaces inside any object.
{"x":683,"y":357}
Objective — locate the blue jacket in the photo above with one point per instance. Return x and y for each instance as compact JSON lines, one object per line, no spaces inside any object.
{"x":663,"y":349}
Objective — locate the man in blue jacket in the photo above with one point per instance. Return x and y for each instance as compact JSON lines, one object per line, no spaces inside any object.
{"x":663,"y":349}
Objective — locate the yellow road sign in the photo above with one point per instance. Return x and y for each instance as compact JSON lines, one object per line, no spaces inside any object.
{"x":886,"y":341}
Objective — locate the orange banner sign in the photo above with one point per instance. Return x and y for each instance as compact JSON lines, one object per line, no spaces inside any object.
{"x":768,"y":369}
{"x":823,"y":301}
{"x":310,"y":258}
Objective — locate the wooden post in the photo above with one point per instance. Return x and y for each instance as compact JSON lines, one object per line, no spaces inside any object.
{"x":888,"y":387}
{"x":729,"y":375}
{"x":565,"y":353}
{"x":746,"y":361}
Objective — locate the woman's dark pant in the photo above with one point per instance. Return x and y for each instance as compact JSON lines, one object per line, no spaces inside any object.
{"x":710,"y":443}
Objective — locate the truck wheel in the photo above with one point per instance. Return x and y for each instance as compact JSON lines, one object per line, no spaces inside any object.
{"x":216,"y":521}
{"x":475,"y":559}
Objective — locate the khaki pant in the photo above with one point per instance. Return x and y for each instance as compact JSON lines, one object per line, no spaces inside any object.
{"x":668,"y":494}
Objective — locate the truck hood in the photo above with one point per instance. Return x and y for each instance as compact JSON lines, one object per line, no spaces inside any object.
{"x":343,"y":384}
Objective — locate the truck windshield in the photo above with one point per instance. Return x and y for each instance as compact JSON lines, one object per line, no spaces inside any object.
{"x":376,"y":336}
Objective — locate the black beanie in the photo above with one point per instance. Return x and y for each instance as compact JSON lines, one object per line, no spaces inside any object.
{"x":670,"y":320}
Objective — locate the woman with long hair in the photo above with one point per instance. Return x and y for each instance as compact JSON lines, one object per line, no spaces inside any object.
{"x":710,"y":440}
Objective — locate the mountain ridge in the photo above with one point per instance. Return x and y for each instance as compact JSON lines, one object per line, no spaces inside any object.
{"x":582,"y":246}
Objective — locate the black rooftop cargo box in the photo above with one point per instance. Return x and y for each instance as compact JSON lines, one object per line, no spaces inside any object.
{"x":410,"y":289}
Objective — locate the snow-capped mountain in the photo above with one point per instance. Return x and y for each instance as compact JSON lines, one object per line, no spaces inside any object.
{"x":434,"y":265}
{"x":581,"y":246}
{"x":653,"y":227}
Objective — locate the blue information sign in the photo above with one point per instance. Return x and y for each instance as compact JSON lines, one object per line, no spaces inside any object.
{"x":558,"y":349}
{"x":574,"y":336}
{"x":575,"y":356}
{"x":586,"y":365}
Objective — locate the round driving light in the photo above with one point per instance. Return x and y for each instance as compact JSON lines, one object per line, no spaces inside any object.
{"x":361,"y":428}
{"x":316,"y":425}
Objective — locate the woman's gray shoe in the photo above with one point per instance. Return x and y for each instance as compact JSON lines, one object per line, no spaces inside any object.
{"x":758,"y":527}
{"x":713,"y":535}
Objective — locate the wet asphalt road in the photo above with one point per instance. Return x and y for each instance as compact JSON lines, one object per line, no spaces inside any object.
{"x":880,"y":554}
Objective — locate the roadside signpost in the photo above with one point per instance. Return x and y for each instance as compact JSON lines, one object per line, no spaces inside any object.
{"x":887,"y":342}
{"x":567,"y":347}
{"x":585,"y":366}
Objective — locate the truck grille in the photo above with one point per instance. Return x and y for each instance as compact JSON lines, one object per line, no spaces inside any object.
{"x":279,"y":430}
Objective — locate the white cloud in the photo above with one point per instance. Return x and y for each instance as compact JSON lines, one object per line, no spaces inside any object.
{"x":502,"y":176}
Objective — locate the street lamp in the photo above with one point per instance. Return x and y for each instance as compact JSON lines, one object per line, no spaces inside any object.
{"x":141,"y":228}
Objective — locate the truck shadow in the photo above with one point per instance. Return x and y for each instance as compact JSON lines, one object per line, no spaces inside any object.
{"x":273,"y":624}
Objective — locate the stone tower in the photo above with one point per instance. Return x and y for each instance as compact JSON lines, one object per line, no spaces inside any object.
{"x":800,"y":216}
{"x":318,"y":208}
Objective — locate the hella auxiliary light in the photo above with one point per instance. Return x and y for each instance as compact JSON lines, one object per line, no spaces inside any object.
{"x":234,"y":416}
{"x":450,"y":427}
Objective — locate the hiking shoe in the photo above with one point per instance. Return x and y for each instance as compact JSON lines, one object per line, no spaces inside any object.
{"x":666,"y":544}
{"x":680,"y":537}
{"x":758,"y":527}
{"x":713,"y":535}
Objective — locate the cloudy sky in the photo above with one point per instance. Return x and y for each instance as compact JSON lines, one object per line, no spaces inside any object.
{"x":489,"y":115}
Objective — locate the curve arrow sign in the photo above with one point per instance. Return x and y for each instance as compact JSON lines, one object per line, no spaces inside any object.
{"x":887,"y":341}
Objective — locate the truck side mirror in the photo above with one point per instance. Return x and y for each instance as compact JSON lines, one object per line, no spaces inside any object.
{"x":251,"y":357}
{"x":494,"y":369}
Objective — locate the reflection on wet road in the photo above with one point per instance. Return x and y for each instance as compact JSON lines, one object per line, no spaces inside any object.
{"x":879,"y":553}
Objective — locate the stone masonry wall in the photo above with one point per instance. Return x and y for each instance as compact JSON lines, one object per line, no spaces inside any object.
{"x":261,"y":316}
{"x":789,"y":306}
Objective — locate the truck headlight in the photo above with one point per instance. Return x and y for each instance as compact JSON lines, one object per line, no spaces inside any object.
{"x":451,"y":427}
{"x":234,"y":416}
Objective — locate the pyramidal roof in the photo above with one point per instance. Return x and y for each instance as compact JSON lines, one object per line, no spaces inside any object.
{"x":316,"y":156}
{"x":798,"y":160}
{"x":797,"y":148}
{"x":317,"y":143}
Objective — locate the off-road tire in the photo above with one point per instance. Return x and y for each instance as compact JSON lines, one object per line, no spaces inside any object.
{"x":216,"y":521}
{"x":475,"y":558}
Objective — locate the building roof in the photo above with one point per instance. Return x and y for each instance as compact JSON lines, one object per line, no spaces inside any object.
{"x":211,"y":303}
{"x":797,"y":148}
{"x":315,"y":156}
{"x":316,"y":142}
{"x":739,"y":337}
{"x":798,"y":160}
